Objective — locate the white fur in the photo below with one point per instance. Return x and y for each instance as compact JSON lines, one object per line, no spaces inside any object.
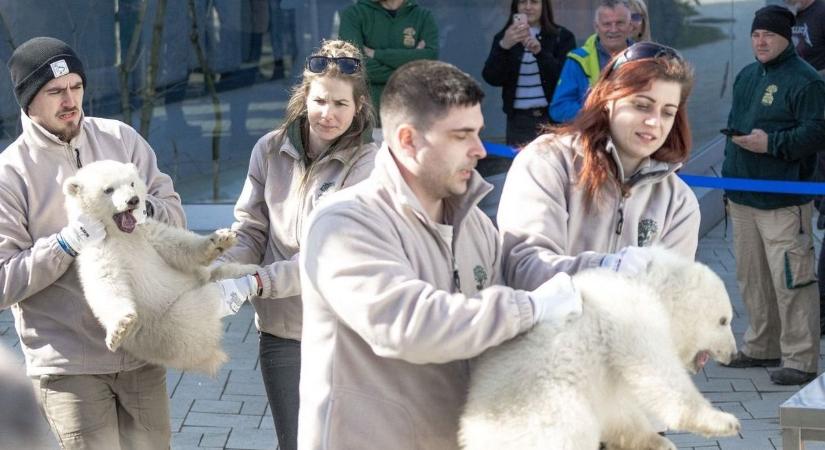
{"x":601,"y":377}
{"x":150,"y":289}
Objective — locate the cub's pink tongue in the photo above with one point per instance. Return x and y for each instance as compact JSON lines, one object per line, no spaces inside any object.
{"x":702,"y":359}
{"x":125,"y":221}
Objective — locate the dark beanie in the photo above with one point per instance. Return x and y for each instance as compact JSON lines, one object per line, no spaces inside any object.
{"x":776,"y":19}
{"x":38,"y":61}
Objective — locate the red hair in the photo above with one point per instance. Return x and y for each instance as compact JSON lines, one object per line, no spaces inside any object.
{"x":593,"y":122}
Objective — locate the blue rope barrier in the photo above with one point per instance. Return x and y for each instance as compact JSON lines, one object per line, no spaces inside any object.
{"x":745,"y":184}
{"x":730,"y":184}
{"x":500,"y":150}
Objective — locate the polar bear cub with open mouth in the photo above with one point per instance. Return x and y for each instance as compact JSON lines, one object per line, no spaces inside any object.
{"x":599,"y":378}
{"x":149,"y":283}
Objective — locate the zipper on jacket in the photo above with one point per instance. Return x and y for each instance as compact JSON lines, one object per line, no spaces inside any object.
{"x":77,"y":158}
{"x":456,"y":278}
{"x":620,"y":221}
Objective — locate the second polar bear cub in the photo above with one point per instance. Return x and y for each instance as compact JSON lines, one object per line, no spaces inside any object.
{"x":148,"y":283}
{"x":599,"y":378}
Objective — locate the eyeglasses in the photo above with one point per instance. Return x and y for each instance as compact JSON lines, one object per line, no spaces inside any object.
{"x":347,"y":65}
{"x":636,"y":17}
{"x":643,"y":50}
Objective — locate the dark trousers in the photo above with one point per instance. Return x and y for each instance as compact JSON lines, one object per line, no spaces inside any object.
{"x":524,"y":125}
{"x":281,"y":369}
{"x":820,"y":274}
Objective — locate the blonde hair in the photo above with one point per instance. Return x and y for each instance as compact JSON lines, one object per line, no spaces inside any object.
{"x":640,"y":7}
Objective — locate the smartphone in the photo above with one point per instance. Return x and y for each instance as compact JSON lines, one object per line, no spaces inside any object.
{"x":731,"y":132}
{"x":519,"y":18}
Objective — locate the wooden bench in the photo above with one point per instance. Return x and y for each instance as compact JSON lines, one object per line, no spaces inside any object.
{"x":802,"y":417}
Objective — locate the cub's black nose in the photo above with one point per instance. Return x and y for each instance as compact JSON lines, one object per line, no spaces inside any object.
{"x":133,"y":201}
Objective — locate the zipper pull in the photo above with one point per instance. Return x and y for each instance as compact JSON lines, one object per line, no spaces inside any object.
{"x":456,"y":280}
{"x":620,"y":222}
{"x":77,"y":158}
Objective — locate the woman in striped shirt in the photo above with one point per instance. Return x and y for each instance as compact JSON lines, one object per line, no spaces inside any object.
{"x":525,"y":60}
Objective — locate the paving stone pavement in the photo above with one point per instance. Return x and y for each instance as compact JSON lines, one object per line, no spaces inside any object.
{"x":230,"y":411}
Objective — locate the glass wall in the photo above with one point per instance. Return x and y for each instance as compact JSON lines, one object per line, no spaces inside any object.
{"x":202,"y":80}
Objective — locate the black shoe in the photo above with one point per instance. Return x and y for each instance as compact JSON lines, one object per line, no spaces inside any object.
{"x":787,"y":376}
{"x":741,"y":360}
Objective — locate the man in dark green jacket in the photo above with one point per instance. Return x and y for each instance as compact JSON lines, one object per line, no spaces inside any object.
{"x":779,"y":105}
{"x":391,"y":33}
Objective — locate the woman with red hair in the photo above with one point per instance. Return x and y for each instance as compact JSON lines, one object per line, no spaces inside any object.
{"x":590,"y":193}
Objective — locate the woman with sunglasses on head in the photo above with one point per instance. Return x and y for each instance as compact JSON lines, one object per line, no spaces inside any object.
{"x":589,"y":193}
{"x":525,"y":60}
{"x":323,"y":145}
{"x":639,"y":23}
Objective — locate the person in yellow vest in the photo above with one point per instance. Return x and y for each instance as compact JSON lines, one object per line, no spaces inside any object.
{"x":584,"y":64}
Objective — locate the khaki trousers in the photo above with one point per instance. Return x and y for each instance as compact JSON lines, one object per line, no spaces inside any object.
{"x":775,"y":269}
{"x":124,"y":410}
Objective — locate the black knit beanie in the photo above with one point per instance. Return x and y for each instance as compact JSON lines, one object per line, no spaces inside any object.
{"x":38,"y":61}
{"x":776,"y":19}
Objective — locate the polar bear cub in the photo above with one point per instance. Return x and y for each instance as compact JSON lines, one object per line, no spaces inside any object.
{"x":148,"y":283}
{"x":599,"y":378}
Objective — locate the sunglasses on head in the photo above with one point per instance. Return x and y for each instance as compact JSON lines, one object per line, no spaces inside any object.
{"x":644,"y":50}
{"x":347,"y":65}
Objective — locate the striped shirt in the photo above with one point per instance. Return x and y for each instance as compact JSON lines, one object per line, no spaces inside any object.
{"x":529,"y":93}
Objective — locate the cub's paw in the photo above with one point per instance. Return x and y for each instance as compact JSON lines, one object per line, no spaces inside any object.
{"x":120,"y":331}
{"x":657,"y":442}
{"x":650,"y":441}
{"x":717,"y":423}
{"x":220,"y":241}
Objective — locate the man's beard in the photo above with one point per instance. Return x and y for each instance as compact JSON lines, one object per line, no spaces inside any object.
{"x":70,"y":131}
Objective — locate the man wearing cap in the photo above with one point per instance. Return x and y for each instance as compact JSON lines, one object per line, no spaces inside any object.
{"x":778,"y":102}
{"x":92,"y":398}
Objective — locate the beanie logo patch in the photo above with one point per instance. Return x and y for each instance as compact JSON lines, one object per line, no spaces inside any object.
{"x":59,"y":68}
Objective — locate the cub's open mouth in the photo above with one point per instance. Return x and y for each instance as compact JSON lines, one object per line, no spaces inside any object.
{"x":125,"y":221}
{"x":700,"y":360}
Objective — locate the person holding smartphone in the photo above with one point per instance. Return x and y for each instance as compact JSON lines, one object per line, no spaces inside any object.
{"x":525,"y":61}
{"x":778,"y":99}
{"x":324,"y":145}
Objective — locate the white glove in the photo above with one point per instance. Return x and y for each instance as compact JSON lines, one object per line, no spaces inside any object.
{"x":628,"y":261}
{"x":80,"y":232}
{"x":236,"y":291}
{"x":556,"y":300}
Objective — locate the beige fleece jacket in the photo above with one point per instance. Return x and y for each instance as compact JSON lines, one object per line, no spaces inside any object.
{"x":394,"y":306}
{"x":270,"y":213}
{"x":546,"y":226}
{"x":58,"y":333}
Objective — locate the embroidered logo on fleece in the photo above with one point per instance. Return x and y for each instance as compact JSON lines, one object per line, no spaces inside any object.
{"x":59,"y":68}
{"x":409,"y":37}
{"x":767,"y":97}
{"x":480,"y":275}
{"x":648,"y":232}
{"x":324,"y":189}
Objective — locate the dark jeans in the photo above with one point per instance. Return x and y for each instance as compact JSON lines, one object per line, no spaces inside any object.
{"x":523,"y":125}
{"x":281,"y":369}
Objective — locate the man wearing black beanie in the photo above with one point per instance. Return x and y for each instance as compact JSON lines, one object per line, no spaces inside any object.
{"x":97,"y":398}
{"x":778,"y":102}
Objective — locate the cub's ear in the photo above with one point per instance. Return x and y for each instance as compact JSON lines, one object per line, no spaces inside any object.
{"x":72,"y":187}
